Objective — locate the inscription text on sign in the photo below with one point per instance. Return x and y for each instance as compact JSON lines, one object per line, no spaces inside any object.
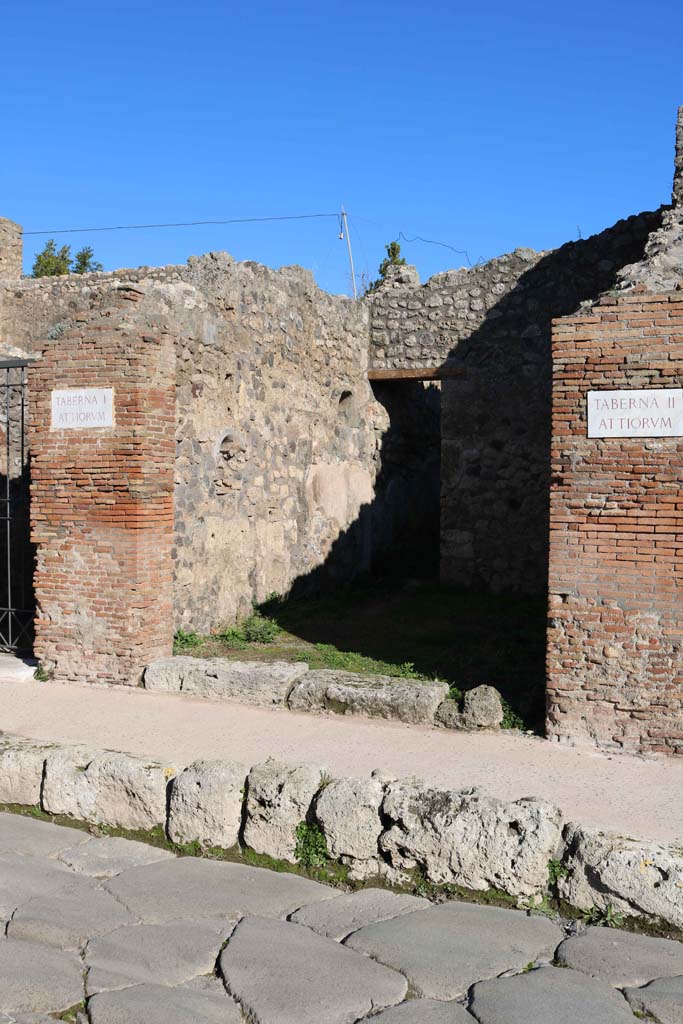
{"x":656,"y":412}
{"x":82,"y":408}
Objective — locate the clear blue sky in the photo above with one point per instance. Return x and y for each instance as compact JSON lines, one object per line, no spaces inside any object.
{"x":485,"y":126}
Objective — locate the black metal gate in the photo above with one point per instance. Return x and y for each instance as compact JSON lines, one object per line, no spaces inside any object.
{"x":16,"y":554}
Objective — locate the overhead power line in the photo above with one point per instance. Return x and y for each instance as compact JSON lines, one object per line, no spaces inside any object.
{"x":182,"y":224}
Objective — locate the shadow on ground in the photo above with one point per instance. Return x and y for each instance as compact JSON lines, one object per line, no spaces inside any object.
{"x":464,"y":638}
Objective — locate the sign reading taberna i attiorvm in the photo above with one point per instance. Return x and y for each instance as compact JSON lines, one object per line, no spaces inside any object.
{"x":655,"y":412}
{"x":82,"y":408}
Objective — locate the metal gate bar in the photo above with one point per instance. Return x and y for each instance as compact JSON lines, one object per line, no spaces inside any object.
{"x":16,"y":563}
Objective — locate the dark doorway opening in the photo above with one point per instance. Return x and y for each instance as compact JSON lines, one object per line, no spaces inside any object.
{"x":17,"y":606}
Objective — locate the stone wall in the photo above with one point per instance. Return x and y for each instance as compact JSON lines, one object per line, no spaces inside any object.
{"x":11,"y":250}
{"x":278,"y":435}
{"x":491,"y":323}
{"x":678,"y":166}
{"x":102,"y":498}
{"x":278,"y":440}
{"x":615,"y":640}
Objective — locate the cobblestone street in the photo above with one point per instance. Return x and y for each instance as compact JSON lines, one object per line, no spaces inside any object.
{"x":119,"y":932}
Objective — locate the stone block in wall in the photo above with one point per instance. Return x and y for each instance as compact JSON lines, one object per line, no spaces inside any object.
{"x":348,"y":813}
{"x":279,"y":797}
{"x":375,"y":696}
{"x":106,"y":788}
{"x":633,"y":877}
{"x":247,"y":682}
{"x":206,"y":804}
{"x":470,"y":839}
{"x":21,"y":771}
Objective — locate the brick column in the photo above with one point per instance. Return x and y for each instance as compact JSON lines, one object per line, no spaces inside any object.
{"x":102,"y":503}
{"x":615,"y":636}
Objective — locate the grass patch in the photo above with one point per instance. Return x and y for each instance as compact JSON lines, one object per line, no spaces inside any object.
{"x":183,"y":642}
{"x":256,"y":629}
{"x":413,"y":630}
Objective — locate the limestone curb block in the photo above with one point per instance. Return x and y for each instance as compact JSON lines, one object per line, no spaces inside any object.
{"x":469,"y":838}
{"x":107,"y":788}
{"x":206,"y":803}
{"x":21,"y":772}
{"x":462,"y":837}
{"x":247,"y":682}
{"x":348,"y":812}
{"x":376,"y":697}
{"x":632,"y":877}
{"x":279,"y":797}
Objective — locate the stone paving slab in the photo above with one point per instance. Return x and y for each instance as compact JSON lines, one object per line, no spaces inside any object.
{"x":548,"y":996}
{"x":444,"y":950}
{"x":662,"y":999}
{"x":156,"y":1004}
{"x":22,"y":878}
{"x":621,"y":958}
{"x":424,"y":1011}
{"x":339,"y":917}
{"x":190,"y":887}
{"x":31,"y":836}
{"x":282,"y":973}
{"x":68,"y":919}
{"x":167,"y":954}
{"x":110,"y":855}
{"x":37,"y":978}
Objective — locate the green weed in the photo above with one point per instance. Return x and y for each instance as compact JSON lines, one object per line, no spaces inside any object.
{"x":311,"y":846}
{"x":556,"y":871}
{"x":607,"y":918}
{"x":183,"y":641}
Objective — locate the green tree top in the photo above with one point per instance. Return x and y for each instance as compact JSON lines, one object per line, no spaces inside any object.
{"x":51,"y":262}
{"x":393,"y":258}
{"x":85,"y":262}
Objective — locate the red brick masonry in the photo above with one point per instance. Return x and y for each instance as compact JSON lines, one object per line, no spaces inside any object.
{"x":102,"y":502}
{"x":615,"y":635}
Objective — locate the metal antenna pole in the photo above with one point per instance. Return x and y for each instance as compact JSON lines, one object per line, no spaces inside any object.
{"x":348,"y":245}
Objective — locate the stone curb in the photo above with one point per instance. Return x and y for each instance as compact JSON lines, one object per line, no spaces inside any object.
{"x":376,"y":827}
{"x":295,"y":687}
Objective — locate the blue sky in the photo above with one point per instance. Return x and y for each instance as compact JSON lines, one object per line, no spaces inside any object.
{"x":482,"y":126}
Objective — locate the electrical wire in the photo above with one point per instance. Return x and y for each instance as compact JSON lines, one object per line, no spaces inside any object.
{"x":182,"y":224}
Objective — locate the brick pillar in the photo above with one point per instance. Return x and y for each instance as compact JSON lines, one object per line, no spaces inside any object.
{"x":102,"y":500}
{"x":615,"y":636}
{"x":11,"y":250}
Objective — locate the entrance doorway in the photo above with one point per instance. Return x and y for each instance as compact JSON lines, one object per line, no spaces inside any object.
{"x":17,"y":606}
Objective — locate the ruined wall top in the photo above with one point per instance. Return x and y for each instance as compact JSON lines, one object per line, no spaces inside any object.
{"x":677,"y":196}
{"x":11,"y":250}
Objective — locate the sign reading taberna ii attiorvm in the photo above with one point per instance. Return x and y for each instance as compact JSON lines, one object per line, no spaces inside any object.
{"x":655,"y":412}
{"x":82,"y":409}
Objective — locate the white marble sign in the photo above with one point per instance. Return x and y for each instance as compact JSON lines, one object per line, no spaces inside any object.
{"x":82,"y":408}
{"x":656,"y":412}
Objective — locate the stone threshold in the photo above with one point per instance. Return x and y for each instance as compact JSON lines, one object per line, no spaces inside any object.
{"x":379,"y":827}
{"x":292,"y":685}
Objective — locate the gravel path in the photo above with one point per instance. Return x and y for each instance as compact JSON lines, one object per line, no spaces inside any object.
{"x":122,"y":933}
{"x":634,"y":796}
